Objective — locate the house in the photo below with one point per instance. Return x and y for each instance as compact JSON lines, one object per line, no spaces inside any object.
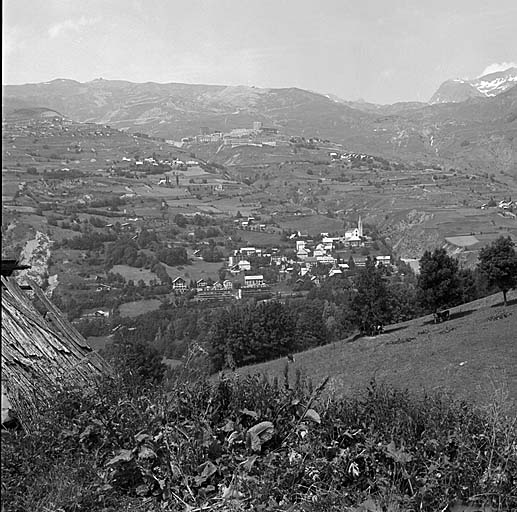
{"x":254,"y":281}
{"x":327,"y":240}
{"x":249,"y":251}
{"x":326,"y":259}
{"x":302,"y":253}
{"x":385,"y":260}
{"x":319,"y":250}
{"x":335,"y":272}
{"x":360,"y":261}
{"x":179,"y":284}
{"x":227,"y":284}
{"x":99,"y":313}
{"x":201,"y":284}
{"x":300,"y":244}
{"x":244,"y":265}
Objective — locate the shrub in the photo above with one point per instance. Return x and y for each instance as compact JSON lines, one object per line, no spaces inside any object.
{"x":247,"y":443}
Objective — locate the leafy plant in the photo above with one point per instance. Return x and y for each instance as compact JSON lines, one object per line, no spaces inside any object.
{"x":250,"y":444}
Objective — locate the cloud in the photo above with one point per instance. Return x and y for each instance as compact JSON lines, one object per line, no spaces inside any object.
{"x":495,"y":67}
{"x":58,"y":29}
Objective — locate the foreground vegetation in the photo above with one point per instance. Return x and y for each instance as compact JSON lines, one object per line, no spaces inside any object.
{"x":250,"y":444}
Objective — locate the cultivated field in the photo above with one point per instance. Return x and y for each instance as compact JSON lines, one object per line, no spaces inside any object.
{"x":311,"y":224}
{"x":198,"y":270}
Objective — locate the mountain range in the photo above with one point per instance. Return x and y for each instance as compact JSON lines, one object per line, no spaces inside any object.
{"x":478,"y":133}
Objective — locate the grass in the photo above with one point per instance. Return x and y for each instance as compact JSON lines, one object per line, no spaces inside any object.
{"x":98,"y":343}
{"x":135,"y":274}
{"x":261,"y":239}
{"x":311,"y":224}
{"x":472,"y":355}
{"x":198,"y":270}
{"x":139,"y":307}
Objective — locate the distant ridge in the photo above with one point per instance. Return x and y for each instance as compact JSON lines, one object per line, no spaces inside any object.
{"x":475,"y":134}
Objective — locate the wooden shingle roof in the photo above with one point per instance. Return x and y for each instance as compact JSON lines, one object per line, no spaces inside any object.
{"x":41,"y":351}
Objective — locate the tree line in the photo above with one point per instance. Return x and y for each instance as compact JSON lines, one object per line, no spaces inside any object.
{"x":256,"y":331}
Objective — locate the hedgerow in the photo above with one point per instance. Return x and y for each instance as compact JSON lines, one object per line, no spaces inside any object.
{"x":252,"y":444}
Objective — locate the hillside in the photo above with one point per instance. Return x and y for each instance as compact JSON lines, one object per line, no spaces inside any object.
{"x":473,"y":355}
{"x":479,"y":132}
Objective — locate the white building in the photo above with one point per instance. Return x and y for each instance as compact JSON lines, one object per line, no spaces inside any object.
{"x":244,"y":265}
{"x":254,"y":281}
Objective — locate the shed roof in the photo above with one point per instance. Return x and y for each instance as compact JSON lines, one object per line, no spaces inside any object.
{"x":40,"y":350}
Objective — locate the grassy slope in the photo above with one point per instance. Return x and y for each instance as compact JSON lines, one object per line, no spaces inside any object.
{"x":472,"y":355}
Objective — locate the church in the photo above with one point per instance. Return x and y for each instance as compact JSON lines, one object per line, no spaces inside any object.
{"x":354,"y":237}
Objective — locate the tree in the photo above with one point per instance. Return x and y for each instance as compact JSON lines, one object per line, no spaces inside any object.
{"x":370,"y":303}
{"x":438,"y":281}
{"x":211,"y":253}
{"x":180,"y":220}
{"x":498,"y":262}
{"x":251,"y":334}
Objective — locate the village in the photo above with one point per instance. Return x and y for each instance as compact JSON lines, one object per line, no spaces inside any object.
{"x":255,"y":231}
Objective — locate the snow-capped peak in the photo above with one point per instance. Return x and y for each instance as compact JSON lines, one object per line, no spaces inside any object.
{"x":453,"y":91}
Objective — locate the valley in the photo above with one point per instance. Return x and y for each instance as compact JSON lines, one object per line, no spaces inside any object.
{"x":69,"y":181}
{"x":265,"y":261}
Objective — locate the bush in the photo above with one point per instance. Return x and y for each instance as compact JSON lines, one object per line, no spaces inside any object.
{"x":138,"y":363}
{"x":250,"y":442}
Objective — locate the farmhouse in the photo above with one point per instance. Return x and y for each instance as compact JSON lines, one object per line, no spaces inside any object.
{"x":179,"y":284}
{"x":201,"y":284}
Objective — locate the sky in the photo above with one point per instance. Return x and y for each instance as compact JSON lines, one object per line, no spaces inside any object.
{"x":381,"y":51}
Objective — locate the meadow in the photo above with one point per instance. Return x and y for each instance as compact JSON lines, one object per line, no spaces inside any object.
{"x":134,"y":274}
{"x":473,"y":355}
{"x":140,"y":307}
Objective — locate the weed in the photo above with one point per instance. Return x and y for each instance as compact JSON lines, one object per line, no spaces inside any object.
{"x":251,"y":444}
